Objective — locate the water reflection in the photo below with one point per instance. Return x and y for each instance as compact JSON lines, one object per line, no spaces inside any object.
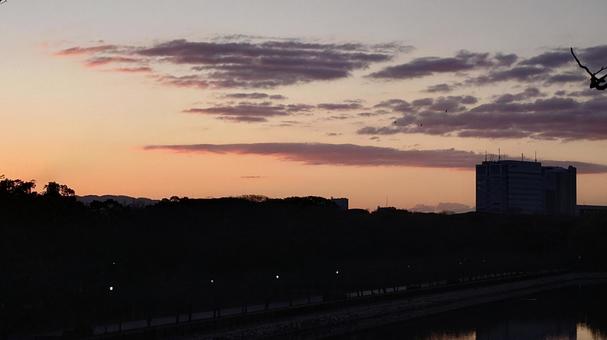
{"x":573,"y":313}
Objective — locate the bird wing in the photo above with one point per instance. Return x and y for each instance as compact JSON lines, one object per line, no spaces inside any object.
{"x":578,"y":62}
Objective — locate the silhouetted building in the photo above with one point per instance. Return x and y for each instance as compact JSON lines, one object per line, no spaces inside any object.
{"x":585,"y":210}
{"x":507,"y":186}
{"x":560,"y":188}
{"x":342,"y":203}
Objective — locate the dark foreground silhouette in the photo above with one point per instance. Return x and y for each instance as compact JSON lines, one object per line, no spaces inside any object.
{"x":69,"y":265}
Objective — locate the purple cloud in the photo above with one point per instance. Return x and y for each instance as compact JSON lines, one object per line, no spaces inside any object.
{"x":426,"y":66}
{"x":528,"y":93}
{"x":243,"y":62}
{"x":517,"y":73}
{"x":552,"y":118}
{"x":346,"y":106}
{"x":594,"y":56}
{"x":355,"y":155}
{"x":255,"y":95}
{"x":251,"y":112}
{"x":439,"y":88}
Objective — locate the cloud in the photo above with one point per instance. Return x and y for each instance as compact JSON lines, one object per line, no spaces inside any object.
{"x":251,"y":112}
{"x":528,"y":93}
{"x":550,"y":59}
{"x":143,"y":69}
{"x":517,"y":73}
{"x":448,"y":103}
{"x":592,"y":56}
{"x":255,"y":95}
{"x":566,"y":78}
{"x":347,"y":106}
{"x":426,"y":66}
{"x":553,"y":66}
{"x":551,"y":118}
{"x":245,"y":62}
{"x":353,"y":155}
{"x":192,"y":81}
{"x":100,"y":61}
{"x":506,"y":59}
{"x":439,"y":88}
{"x":73,"y":51}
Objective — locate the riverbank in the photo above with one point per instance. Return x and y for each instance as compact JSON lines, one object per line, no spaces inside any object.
{"x":338,"y":318}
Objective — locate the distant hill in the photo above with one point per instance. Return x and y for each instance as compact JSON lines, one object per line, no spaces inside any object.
{"x":124,"y":200}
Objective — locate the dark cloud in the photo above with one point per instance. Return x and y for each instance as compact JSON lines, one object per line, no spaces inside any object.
{"x":251,"y":112}
{"x":246,"y":62}
{"x":528,"y":93}
{"x":426,"y":66}
{"x":566,"y":78}
{"x":552,"y":118}
{"x":552,"y":66}
{"x":397,"y":105}
{"x":595,"y":56}
{"x":506,"y":59}
{"x":354,"y":155}
{"x":550,"y":59}
{"x":346,"y":106}
{"x":587,"y":92}
{"x":255,"y":95}
{"x":517,"y":73}
{"x":439,"y":88}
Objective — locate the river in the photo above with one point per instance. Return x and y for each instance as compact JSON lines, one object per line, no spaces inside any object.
{"x":574,"y":313}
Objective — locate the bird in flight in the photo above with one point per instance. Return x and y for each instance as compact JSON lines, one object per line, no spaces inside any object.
{"x":595,"y":83}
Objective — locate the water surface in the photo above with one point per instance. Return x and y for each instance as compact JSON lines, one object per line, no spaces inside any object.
{"x":573,"y":313}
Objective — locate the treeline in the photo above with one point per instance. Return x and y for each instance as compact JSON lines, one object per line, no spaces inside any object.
{"x":64,"y":263}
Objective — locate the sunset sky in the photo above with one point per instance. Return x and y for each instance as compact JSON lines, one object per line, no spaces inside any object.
{"x":371,"y":100}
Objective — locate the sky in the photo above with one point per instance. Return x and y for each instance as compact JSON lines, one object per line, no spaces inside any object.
{"x":383,"y":102}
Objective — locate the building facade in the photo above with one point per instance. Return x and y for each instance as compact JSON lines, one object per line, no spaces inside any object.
{"x":507,"y":186}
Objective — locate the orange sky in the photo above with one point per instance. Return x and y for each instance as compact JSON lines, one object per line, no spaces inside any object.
{"x":88,"y":126}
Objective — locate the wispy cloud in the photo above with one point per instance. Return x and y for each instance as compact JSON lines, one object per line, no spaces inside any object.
{"x":254,"y":95}
{"x":245,"y":62}
{"x":251,"y":111}
{"x":355,"y":155}
{"x":426,"y":66}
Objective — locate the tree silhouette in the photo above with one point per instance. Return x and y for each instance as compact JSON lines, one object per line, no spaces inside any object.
{"x":54,"y":189}
{"x":16,"y":186}
{"x":595,"y":83}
